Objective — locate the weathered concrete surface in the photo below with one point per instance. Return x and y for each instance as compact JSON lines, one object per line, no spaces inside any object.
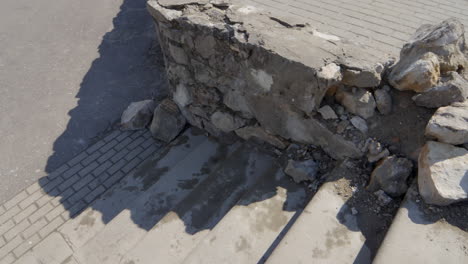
{"x":413,"y":239}
{"x":67,"y":71}
{"x":325,"y":232}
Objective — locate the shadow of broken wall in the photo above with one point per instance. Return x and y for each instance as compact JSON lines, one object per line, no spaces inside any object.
{"x":129,"y":68}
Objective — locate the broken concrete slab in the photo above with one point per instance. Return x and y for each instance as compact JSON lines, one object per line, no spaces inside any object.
{"x":449,"y":124}
{"x":442,"y":173}
{"x":259,"y":133}
{"x":167,"y":122}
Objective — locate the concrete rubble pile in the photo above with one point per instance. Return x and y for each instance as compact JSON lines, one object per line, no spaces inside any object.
{"x":234,"y":69}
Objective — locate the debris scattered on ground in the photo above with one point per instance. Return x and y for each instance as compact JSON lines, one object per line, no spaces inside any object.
{"x":390,"y":175}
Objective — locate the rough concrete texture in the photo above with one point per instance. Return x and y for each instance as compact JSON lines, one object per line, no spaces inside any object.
{"x":228,"y":68}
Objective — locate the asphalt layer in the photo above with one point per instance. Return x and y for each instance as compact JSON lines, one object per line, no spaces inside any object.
{"x":67,"y":71}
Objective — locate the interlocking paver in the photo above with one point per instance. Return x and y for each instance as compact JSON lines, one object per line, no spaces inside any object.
{"x":103,"y":167}
{"x":16,"y":230}
{"x":9,"y":214}
{"x":44,"y":232}
{"x":6,"y":249}
{"x":108,"y":146}
{"x":30,"y":199}
{"x":40,"y":212}
{"x":6,"y":226}
{"x":89,"y":168}
{"x":106,"y":156}
{"x":10,"y":258}
{"x":91,"y":158}
{"x":16,"y":200}
{"x":25,"y":213}
{"x":34,"y":228}
{"x":26,"y":245}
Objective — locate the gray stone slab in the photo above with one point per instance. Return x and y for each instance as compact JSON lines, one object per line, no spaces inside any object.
{"x":413,"y":239}
{"x":130,"y":226}
{"x":250,"y":228}
{"x":181,"y":230}
{"x":52,"y":250}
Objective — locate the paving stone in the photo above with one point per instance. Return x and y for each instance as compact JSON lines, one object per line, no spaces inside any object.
{"x":9,"y":214}
{"x":10,"y":258}
{"x":26,"y":245}
{"x":89,"y":168}
{"x":123,"y":144}
{"x":55,"y":212}
{"x":150,"y":150}
{"x":15,"y":200}
{"x":52,"y":184}
{"x":135,"y":143}
{"x":74,"y":210}
{"x":2,"y":242}
{"x":25,"y":213}
{"x":117,"y":166}
{"x":83,"y":182}
{"x":79,"y":195}
{"x":49,"y":228}
{"x":33,"y":188}
{"x":78,"y":158}
{"x":103,"y":167}
{"x":72,"y":171}
{"x":95,"y":147}
{"x":132,"y":154}
{"x":34,"y":228}
{"x":40,"y":212}
{"x":58,"y":171}
{"x":6,"y":226}
{"x":10,"y":246}
{"x":108,"y":146}
{"x":106,"y":156}
{"x":53,"y":249}
{"x":2,"y":209}
{"x":95,"y":193}
{"x":69,"y":182}
{"x":120,"y":154}
{"x":30,"y":199}
{"x":123,"y":135}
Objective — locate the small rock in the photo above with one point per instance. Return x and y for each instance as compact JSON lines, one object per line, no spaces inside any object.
{"x":376,"y":151}
{"x":342,"y":125}
{"x":449,"y":124}
{"x":390,"y":175}
{"x":302,"y":170}
{"x":167,"y":122}
{"x":137,"y":115}
{"x":383,"y":198}
{"x":259,"y":133}
{"x":383,"y":101}
{"x":354,"y":211}
{"x":226,"y":122}
{"x":442,"y":173}
{"x":360,"y":124}
{"x":364,"y":77}
{"x":327,"y":112}
{"x":451,"y":89}
{"x":359,"y":102}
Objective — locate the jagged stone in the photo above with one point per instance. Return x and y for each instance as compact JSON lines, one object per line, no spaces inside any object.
{"x":327,"y":112}
{"x":167,"y":122}
{"x":390,"y":175}
{"x":432,"y":50}
{"x":418,"y":75}
{"x":260,"y":134}
{"x":226,"y":122}
{"x":442,"y":173}
{"x":359,"y":123}
{"x":449,"y":124}
{"x":383,"y":99}
{"x":137,"y":115}
{"x":364,"y":77}
{"x":302,"y":170}
{"x":451,"y":89}
{"x":356,"y":101}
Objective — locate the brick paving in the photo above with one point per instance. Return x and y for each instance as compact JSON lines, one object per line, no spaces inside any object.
{"x":40,"y":209}
{"x":382,"y":26}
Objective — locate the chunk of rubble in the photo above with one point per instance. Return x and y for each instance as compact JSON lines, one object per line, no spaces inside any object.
{"x":302,"y":170}
{"x":451,"y":89}
{"x":376,"y":151}
{"x":382,"y":197}
{"x":359,"y":123}
{"x":137,"y":115}
{"x":431,"y":51}
{"x":363,"y":76}
{"x":357,"y":101}
{"x":226,"y":122}
{"x":390,"y":175}
{"x":260,"y":134}
{"x":450,"y":124}
{"x":327,"y":112}
{"x":442,"y":173}
{"x":167,"y":122}
{"x":383,"y":99}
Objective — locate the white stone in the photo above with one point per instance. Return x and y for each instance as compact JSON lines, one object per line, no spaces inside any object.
{"x":181,"y":96}
{"x":450,"y":124}
{"x":443,"y":173}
